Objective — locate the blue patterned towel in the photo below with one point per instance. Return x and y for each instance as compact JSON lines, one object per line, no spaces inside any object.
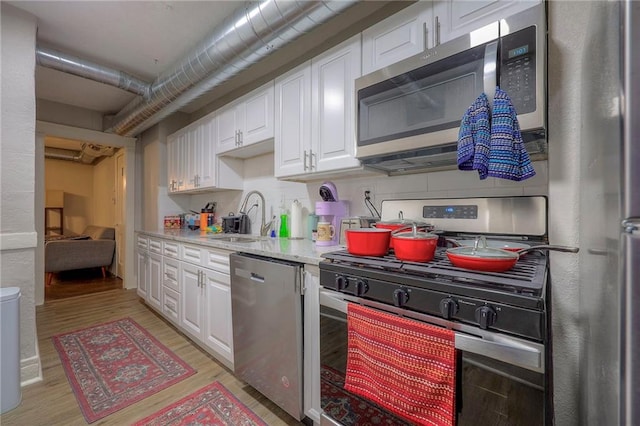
{"x":508,"y":157}
{"x":474,"y":137}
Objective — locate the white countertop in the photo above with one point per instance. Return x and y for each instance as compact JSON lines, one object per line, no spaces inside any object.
{"x":303,"y":251}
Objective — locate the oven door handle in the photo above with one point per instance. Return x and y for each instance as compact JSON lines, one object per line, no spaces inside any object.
{"x":492,"y":345}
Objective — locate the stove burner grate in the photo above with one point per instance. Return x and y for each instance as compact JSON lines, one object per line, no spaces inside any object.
{"x":527,"y":276}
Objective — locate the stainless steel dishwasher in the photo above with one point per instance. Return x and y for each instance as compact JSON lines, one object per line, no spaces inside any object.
{"x":266,"y":302}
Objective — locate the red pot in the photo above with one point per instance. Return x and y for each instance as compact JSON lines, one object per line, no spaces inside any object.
{"x":414,"y":246}
{"x":483,"y":258}
{"x":368,"y":241}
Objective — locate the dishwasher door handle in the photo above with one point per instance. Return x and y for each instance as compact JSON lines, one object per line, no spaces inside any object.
{"x":248,"y":275}
{"x":256,"y":277}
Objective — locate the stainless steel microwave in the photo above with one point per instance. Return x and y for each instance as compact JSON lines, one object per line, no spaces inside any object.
{"x":409,"y":113}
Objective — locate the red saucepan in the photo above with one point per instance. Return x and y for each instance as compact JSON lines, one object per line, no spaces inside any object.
{"x":414,"y":246}
{"x":483,"y":258}
{"x":368,"y":241}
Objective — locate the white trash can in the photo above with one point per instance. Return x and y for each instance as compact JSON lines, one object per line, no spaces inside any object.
{"x":10,"y":393}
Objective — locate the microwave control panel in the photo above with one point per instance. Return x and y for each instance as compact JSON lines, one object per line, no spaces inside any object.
{"x":518,"y":70}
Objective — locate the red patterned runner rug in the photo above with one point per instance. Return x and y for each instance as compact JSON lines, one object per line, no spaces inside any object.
{"x":405,"y":366}
{"x":212,"y":405}
{"x":113,"y":365}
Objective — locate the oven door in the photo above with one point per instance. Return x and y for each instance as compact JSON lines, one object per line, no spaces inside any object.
{"x":492,"y":388}
{"x":417,"y":103}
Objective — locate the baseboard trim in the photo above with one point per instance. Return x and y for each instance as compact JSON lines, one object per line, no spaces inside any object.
{"x":30,"y":370}
{"x":18,"y":240}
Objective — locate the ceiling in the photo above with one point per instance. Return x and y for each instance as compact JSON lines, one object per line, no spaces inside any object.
{"x":144,"y":38}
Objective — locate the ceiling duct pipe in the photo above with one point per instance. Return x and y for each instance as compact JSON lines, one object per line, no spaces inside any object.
{"x":251,"y":33}
{"x":51,"y":58}
{"x":62,"y":154}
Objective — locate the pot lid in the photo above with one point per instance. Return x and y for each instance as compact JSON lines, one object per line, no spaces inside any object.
{"x":499,"y":244}
{"x":480,"y":251}
{"x":414,"y":234}
{"x":410,"y":235}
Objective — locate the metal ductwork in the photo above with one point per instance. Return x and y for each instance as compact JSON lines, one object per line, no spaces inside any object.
{"x":51,"y":58}
{"x":251,"y":33}
{"x":88,"y":153}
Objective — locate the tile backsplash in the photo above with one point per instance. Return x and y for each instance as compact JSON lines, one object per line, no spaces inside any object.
{"x":280,"y":194}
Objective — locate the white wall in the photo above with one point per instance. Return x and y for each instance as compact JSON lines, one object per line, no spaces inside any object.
{"x":567,"y":26}
{"x":76,"y":180}
{"x":18,"y":238}
{"x":445,"y":184}
{"x":56,"y":112}
{"x":104,"y":192}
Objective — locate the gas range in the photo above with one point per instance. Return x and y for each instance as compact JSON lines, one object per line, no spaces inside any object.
{"x":511,"y":303}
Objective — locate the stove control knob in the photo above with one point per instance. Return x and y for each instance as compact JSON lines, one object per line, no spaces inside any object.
{"x":361,"y":287}
{"x":485,"y":316}
{"x":400,"y":297}
{"x":341,"y":282}
{"x":448,"y":308}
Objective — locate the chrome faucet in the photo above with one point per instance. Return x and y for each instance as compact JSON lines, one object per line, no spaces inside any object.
{"x":264,"y":228}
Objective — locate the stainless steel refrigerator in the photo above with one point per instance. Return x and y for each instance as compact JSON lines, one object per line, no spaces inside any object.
{"x":610,"y":217}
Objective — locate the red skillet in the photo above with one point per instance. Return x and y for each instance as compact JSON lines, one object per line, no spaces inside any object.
{"x":482,"y":258}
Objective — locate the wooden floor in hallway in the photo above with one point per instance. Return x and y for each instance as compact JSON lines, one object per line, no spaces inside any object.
{"x":52,"y":402}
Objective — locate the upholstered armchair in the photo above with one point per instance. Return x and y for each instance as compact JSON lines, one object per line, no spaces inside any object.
{"x":94,"y":248}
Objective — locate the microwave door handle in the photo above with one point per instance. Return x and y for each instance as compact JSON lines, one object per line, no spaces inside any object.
{"x":490,"y":79}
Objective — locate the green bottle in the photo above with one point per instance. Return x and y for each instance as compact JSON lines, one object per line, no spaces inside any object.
{"x":284,"y":228}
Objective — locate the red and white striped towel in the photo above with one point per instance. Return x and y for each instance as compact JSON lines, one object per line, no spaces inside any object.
{"x":405,"y":366}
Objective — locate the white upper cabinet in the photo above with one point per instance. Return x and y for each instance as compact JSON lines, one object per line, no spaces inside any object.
{"x":454,"y":18}
{"x":192,"y":164}
{"x":246,"y":125}
{"x":315,"y":114}
{"x":400,"y":36}
{"x":293,"y":121}
{"x":333,"y":135}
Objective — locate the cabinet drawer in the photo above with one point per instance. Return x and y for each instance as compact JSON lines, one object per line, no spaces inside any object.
{"x":155,"y":246}
{"x":171,"y":305}
{"x":192,"y":254}
{"x":215,"y":259}
{"x":170,"y":249}
{"x":142,"y":242}
{"x":170,"y":274}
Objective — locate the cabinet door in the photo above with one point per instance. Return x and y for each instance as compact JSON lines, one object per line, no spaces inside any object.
{"x":154,"y":293}
{"x":228,"y":127}
{"x":400,"y":36}
{"x":171,"y":305}
{"x":190,"y":144}
{"x":141,"y":265}
{"x":180,"y":153}
{"x":454,"y":18}
{"x":257,"y":116}
{"x":206,"y":154}
{"x":293,"y":122}
{"x":172,"y":164}
{"x":191,"y":285}
{"x":218,"y":334}
{"x":333,"y":77}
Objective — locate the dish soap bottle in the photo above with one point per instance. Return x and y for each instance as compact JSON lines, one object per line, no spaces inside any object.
{"x":284,"y":227}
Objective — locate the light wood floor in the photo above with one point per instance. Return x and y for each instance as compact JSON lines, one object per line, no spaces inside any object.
{"x":51,"y":402}
{"x":80,"y":282}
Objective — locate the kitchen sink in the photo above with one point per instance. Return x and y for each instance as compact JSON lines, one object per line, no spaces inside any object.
{"x":233,"y":238}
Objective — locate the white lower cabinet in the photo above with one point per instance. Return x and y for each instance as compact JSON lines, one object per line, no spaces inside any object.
{"x":206,"y":303}
{"x":218,"y":334}
{"x":154,"y":294}
{"x":141,"y":273}
{"x":192,"y":295}
{"x":311,"y":358}
{"x":149,"y":272}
